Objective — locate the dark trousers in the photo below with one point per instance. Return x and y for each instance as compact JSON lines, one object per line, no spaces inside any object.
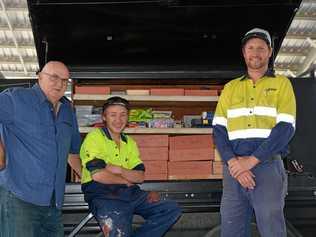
{"x":116,"y":216}
{"x":19,"y":218}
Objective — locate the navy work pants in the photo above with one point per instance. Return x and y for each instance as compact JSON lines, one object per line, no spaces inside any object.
{"x":116,"y":216}
{"x":266,"y":201}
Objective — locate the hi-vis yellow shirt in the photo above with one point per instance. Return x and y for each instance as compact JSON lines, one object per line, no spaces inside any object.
{"x":99,"y":146}
{"x":250,"y":111}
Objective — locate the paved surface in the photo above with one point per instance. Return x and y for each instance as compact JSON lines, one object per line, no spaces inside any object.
{"x":193,"y":225}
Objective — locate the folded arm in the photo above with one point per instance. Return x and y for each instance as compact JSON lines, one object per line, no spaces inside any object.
{"x":106,"y":177}
{"x":113,"y":174}
{"x":135,"y":175}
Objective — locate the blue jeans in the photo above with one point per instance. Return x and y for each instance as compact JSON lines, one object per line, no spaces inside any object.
{"x":116,"y":216}
{"x":266,"y":201}
{"x":19,"y":218}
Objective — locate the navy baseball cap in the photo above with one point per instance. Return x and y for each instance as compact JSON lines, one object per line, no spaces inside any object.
{"x":257,"y":33}
{"x":116,"y":100}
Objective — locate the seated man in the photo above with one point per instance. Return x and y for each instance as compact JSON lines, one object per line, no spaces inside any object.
{"x":111,"y":171}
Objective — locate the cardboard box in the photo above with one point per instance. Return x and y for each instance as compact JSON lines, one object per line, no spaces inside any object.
{"x":217,"y":167}
{"x":137,"y":92}
{"x":153,"y":153}
{"x":190,"y":176}
{"x":191,"y":154}
{"x":156,"y":176}
{"x":190,"y":170}
{"x":97,"y":90}
{"x":151,"y":140}
{"x":192,"y":92}
{"x":191,"y":142}
{"x":156,"y":167}
{"x":156,"y":170}
{"x":167,"y":91}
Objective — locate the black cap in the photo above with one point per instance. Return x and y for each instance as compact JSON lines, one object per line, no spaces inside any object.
{"x":116,"y":100}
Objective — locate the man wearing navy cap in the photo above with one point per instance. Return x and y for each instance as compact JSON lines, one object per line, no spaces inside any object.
{"x":111,"y":170}
{"x":253,"y":124}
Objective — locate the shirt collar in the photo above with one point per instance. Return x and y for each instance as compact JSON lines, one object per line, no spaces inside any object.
{"x":269,"y":73}
{"x":40,"y":94}
{"x":108,"y":135}
{"x":42,"y":97}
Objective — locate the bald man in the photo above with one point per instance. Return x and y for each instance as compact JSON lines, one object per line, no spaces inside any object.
{"x":40,"y":133}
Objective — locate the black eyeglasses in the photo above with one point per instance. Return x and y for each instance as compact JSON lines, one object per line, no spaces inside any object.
{"x":55,"y":78}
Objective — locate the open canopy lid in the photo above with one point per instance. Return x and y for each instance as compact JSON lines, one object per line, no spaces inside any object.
{"x":154,"y":35}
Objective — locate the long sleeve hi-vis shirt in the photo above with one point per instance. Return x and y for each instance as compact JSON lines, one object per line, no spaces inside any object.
{"x":255,"y":119}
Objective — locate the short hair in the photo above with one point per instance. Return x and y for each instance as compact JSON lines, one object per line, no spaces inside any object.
{"x":116,"y":100}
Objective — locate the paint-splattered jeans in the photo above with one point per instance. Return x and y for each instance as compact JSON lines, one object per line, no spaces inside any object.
{"x":116,"y":216}
{"x":266,"y":201}
{"x":19,"y":218}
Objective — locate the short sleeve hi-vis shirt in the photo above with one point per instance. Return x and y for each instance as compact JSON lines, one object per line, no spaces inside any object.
{"x":98,"y":146}
{"x":252,"y":113}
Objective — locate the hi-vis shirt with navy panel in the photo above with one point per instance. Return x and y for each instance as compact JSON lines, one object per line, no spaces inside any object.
{"x":255,"y":119}
{"x":99,"y":149}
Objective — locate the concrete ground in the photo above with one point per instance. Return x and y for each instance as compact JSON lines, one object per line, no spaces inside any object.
{"x":189,"y":225}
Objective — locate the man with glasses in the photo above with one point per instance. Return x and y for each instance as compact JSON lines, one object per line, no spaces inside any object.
{"x":40,"y":132}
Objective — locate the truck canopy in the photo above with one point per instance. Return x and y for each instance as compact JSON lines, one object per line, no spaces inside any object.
{"x":160,"y":35}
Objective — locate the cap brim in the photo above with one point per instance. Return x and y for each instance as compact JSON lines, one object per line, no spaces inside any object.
{"x":251,"y":36}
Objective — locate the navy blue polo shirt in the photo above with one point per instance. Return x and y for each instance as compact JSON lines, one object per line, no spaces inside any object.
{"x":37,"y":144}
